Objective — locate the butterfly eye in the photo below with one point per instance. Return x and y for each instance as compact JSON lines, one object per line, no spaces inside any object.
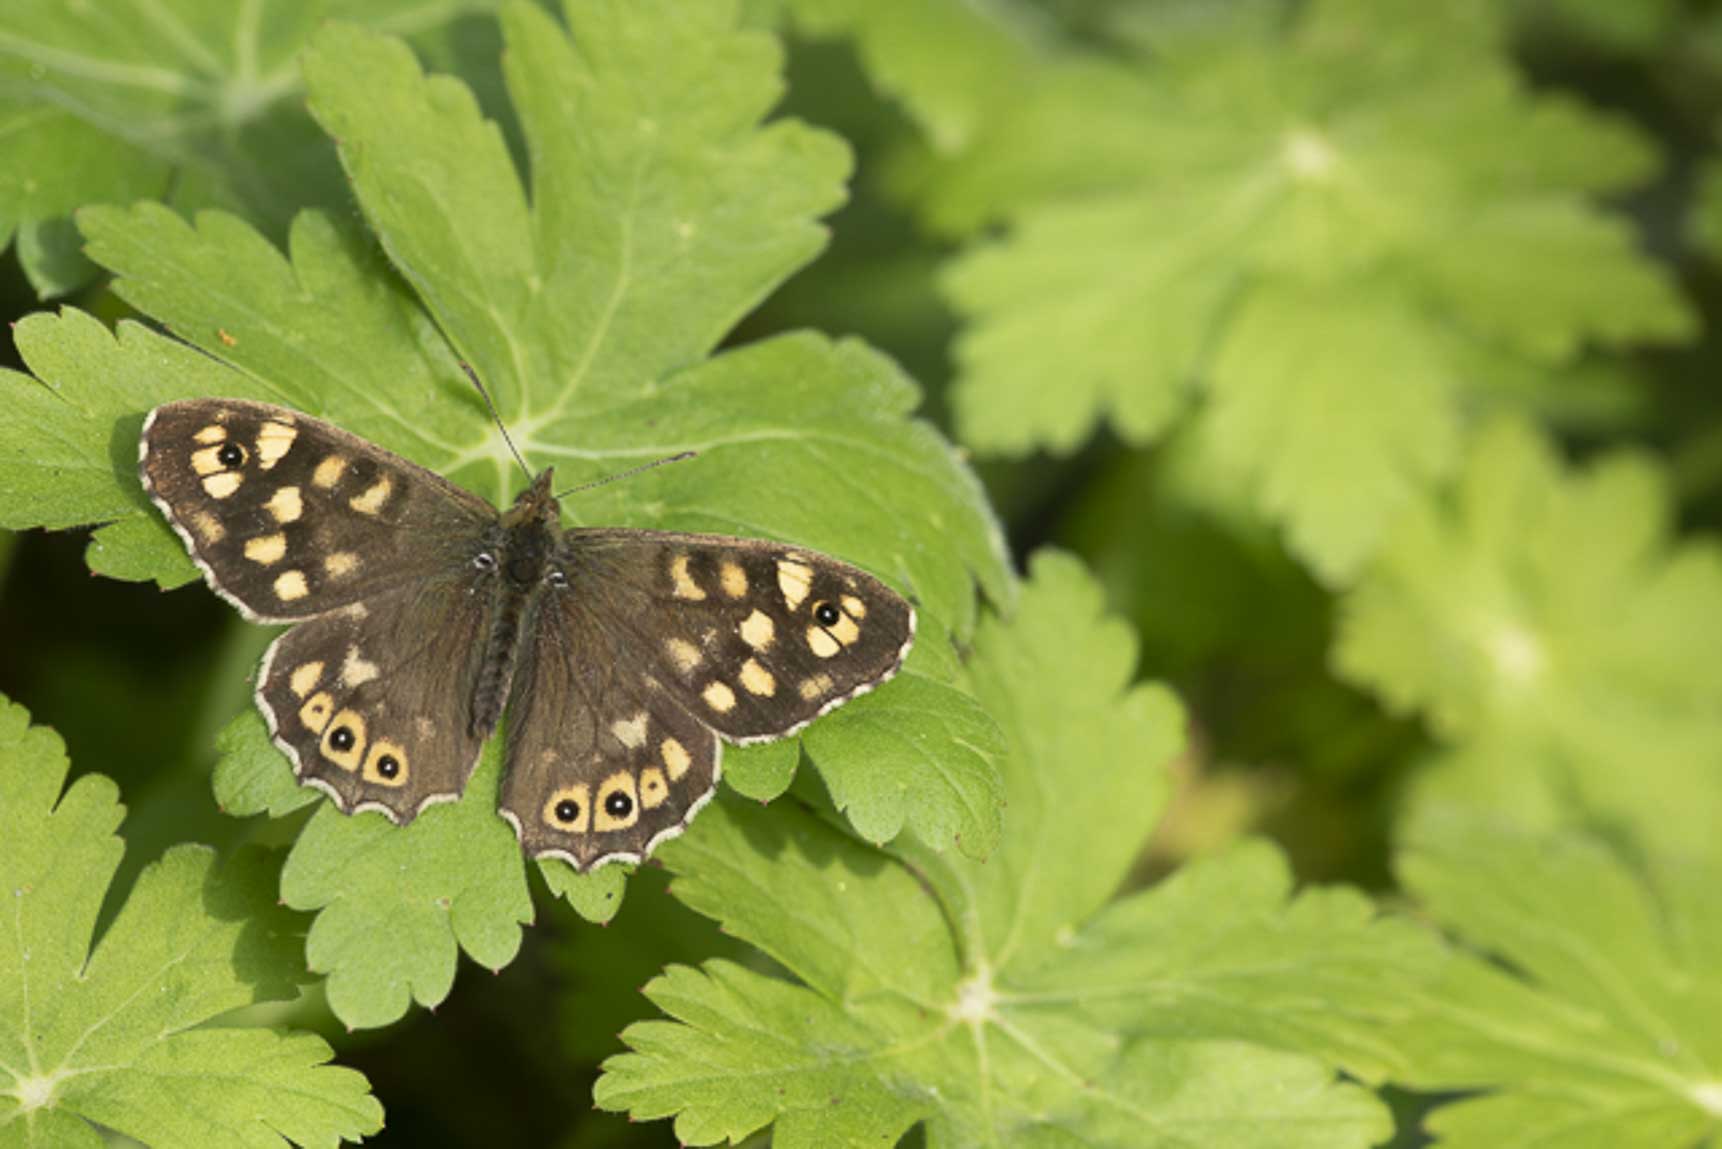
{"x":484,"y":561}
{"x":557,"y":578}
{"x":231,"y":455}
{"x":826,"y":614}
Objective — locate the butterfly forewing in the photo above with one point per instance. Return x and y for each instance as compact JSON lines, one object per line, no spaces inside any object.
{"x":290,"y":517}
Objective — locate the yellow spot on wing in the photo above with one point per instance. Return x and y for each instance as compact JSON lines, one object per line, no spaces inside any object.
{"x":854,"y":606}
{"x":291,"y":585}
{"x":316,"y":711}
{"x":685,"y":586}
{"x":757,"y":630}
{"x":304,"y":677}
{"x":820,"y":642}
{"x":846,"y":631}
{"x":208,"y":461}
{"x":266,"y":549}
{"x":816,"y":686}
{"x":578,"y":794}
{"x":222,"y":485}
{"x":733,"y":578}
{"x":340,"y":563}
{"x":676,"y":757}
{"x":653,"y":788}
{"x":349,"y":758}
{"x":630,"y":732}
{"x":214,"y":433}
{"x":285,"y":505}
{"x":683,"y":653}
{"x":795,"y":580}
{"x":273,"y":442}
{"x":373,"y":771}
{"x":621,"y":782}
{"x":719,"y":697}
{"x":757,"y":679}
{"x":374,"y":497}
{"x":328,"y":472}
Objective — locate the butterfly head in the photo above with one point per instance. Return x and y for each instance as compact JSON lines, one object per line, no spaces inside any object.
{"x":536,"y":504}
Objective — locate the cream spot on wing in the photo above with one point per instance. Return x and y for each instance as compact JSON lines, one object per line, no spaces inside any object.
{"x":273,"y":441}
{"x":676,"y":757}
{"x":685,"y":586}
{"x":208,"y":527}
{"x":374,"y":497}
{"x":757,"y":679}
{"x":356,"y":670}
{"x":630,"y":732}
{"x":304,"y":677}
{"x":317,"y":710}
{"x":757,"y":630}
{"x":683,"y":653}
{"x":328,"y":472}
{"x":814,"y":687}
{"x":340,"y":563}
{"x":214,"y":433}
{"x":719,"y":697}
{"x":855,"y":607}
{"x":291,"y":585}
{"x":266,"y":549}
{"x":846,"y":631}
{"x":424,"y":726}
{"x":820,"y":642}
{"x":795,"y":580}
{"x":222,"y":485}
{"x":208,"y":461}
{"x":733,"y":578}
{"x":285,"y":505}
{"x":653,"y":789}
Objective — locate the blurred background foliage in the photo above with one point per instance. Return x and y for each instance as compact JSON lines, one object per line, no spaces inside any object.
{"x":1365,"y":349}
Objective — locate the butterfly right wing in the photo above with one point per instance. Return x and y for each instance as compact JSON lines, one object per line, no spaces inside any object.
{"x":371,"y":702}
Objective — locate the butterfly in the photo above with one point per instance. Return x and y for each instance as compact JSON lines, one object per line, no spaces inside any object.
{"x":420,"y":614}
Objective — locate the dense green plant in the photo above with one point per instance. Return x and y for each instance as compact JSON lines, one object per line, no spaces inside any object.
{"x":1312,"y":294}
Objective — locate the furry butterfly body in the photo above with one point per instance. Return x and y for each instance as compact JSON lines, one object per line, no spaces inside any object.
{"x":421,"y":615}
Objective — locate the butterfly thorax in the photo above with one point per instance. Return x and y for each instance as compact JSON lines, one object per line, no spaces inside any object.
{"x":517,"y":567}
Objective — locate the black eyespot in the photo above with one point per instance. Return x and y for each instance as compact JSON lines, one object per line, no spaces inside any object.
{"x":388,"y":766}
{"x":230,"y":455}
{"x":618,"y":805}
{"x":826,"y":615}
{"x":557,"y":578}
{"x":567,"y":810}
{"x":484,"y":561}
{"x":341,"y":738}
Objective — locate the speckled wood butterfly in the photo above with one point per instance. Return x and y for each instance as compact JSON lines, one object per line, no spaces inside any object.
{"x":621,"y":656}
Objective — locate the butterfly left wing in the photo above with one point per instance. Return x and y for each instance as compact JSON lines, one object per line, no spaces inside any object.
{"x":656,"y":643}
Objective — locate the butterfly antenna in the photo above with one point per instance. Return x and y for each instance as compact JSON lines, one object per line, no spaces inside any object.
{"x":476,"y":382}
{"x":628,"y":473}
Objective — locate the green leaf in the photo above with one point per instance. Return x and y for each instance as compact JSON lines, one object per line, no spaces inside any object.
{"x":946,"y":61}
{"x":1016,"y":1002}
{"x":660,"y":211}
{"x":197,"y":99}
{"x":1599,"y":1022}
{"x":1550,"y":620}
{"x":112,"y":1029}
{"x":1309,"y":231}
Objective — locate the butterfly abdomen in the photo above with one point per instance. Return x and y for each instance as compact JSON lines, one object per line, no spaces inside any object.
{"x":528,"y":542}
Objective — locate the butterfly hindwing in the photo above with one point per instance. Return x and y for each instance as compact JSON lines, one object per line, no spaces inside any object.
{"x":370,"y":702}
{"x":290,"y":517}
{"x":754,"y":638}
{"x":602,"y":762}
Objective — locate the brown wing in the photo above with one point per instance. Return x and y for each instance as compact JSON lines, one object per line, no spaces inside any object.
{"x":289,"y":517}
{"x":370,"y":702}
{"x":655,"y":644}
